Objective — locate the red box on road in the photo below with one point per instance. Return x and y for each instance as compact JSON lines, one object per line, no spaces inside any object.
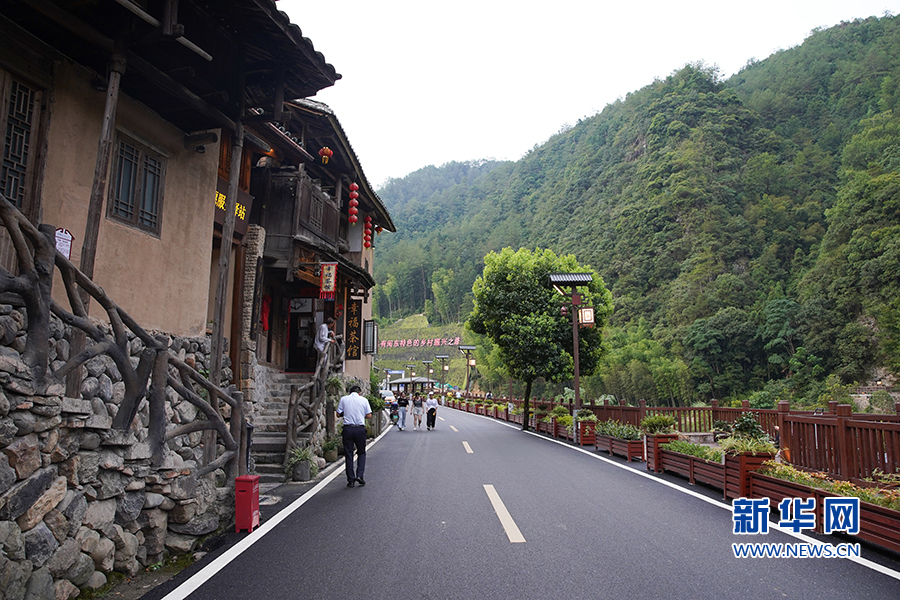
{"x":246,"y":502}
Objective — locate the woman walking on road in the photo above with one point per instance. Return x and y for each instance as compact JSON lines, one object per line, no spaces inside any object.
{"x":431,"y":407}
{"x":418,"y":410}
{"x":402,"y":403}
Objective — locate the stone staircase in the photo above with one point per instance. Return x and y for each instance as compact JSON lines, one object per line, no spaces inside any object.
{"x":270,"y":430}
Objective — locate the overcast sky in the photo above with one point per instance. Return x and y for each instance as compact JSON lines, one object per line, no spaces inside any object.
{"x":428,"y":82}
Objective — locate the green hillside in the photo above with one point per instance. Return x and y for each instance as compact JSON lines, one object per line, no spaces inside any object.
{"x":747,"y":228}
{"x":411,"y":340}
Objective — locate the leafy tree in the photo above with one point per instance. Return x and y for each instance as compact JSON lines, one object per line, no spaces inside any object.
{"x":518,"y":310}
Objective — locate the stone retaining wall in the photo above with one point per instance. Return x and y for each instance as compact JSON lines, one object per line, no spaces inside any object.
{"x":79,"y":499}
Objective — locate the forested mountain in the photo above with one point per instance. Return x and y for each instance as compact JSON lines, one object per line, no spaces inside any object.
{"x":749,"y":228}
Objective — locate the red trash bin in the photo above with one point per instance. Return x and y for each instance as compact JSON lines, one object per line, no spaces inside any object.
{"x":246,"y":502}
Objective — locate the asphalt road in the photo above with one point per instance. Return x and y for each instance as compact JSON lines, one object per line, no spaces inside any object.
{"x":428,"y":525}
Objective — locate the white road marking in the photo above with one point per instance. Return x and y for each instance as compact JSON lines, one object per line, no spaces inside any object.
{"x":509,"y":526}
{"x":468,"y":448}
{"x":203,"y":575}
{"x":454,"y":429}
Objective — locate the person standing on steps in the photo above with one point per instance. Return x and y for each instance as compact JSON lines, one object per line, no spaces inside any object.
{"x":431,"y":408}
{"x":403,"y":404}
{"x":418,"y":410}
{"x":355,"y":410}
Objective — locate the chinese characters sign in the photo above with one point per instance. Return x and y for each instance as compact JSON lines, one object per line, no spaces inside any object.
{"x":751,"y":517}
{"x":420,"y":343}
{"x":328,"y":280}
{"x":241,"y":207}
{"x":354,"y":329}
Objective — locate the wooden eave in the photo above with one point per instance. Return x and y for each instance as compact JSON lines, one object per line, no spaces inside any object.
{"x":221,"y":56}
{"x":324,"y":129}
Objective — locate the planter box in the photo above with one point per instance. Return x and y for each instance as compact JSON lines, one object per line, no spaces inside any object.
{"x":877,"y":524}
{"x":694,"y":468}
{"x":629,"y":449}
{"x":652,"y":444}
{"x":586,"y":433}
{"x":737,"y":472}
{"x":562,"y":432}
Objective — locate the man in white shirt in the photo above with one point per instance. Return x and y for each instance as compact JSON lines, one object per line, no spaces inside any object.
{"x":355,"y":410}
{"x":324,"y":336}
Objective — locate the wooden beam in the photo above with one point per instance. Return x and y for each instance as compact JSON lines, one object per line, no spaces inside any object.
{"x":153,"y":74}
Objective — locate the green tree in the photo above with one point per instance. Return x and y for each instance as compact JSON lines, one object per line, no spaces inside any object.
{"x":519,"y":311}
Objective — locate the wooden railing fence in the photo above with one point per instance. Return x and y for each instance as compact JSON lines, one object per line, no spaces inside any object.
{"x":157,"y":367}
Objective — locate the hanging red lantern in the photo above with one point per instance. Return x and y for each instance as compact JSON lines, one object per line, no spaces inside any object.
{"x":352,"y":210}
{"x":354,"y":203}
{"x":353,"y":187}
{"x":379,"y":229}
{"x":367,"y":244}
{"x":352,"y":219}
{"x":354,"y":195}
{"x":368,"y":238}
{"x":368,"y":218}
{"x":326,"y":153}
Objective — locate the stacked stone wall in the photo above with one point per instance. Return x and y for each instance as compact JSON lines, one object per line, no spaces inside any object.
{"x":79,"y":499}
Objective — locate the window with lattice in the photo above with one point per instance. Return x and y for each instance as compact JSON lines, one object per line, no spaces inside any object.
{"x":136,"y":188}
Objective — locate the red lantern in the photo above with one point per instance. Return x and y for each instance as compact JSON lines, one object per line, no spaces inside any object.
{"x":368,"y":238}
{"x":352,"y":219}
{"x":353,"y":187}
{"x":354,"y":195}
{"x":353,"y":210}
{"x":367,"y":244}
{"x":326,"y":153}
{"x":368,"y":219}
{"x":354,"y":203}
{"x":378,"y":229}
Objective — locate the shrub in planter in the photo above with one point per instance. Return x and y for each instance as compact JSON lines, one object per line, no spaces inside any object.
{"x":301,"y":465}
{"x":704,"y":452}
{"x":658,"y":424}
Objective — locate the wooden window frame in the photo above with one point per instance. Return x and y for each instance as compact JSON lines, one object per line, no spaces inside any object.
{"x":131,"y":211}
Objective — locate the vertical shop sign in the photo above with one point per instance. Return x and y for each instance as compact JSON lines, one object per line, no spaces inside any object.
{"x":354,"y":329}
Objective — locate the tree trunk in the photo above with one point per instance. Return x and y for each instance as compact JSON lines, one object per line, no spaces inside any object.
{"x":525,"y":416}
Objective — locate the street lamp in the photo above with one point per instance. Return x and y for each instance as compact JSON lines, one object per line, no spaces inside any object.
{"x":444,"y":366}
{"x":573,"y":280}
{"x":428,"y":370}
{"x":470,"y":362}
{"x":413,"y":374}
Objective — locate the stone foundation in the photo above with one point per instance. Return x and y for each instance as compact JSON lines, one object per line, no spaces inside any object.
{"x":79,"y":499}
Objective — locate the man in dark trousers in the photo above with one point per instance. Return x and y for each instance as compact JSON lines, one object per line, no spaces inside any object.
{"x":355,"y":410}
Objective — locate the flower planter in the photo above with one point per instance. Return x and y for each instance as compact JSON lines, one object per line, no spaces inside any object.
{"x":330,"y":455}
{"x":877,"y":524}
{"x":586,"y":433}
{"x":694,"y":468}
{"x":652,"y":445}
{"x":302,"y":471}
{"x":630,"y":449}
{"x":562,"y":432}
{"x":737,"y":472}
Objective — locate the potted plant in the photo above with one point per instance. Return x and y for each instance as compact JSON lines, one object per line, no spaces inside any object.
{"x":330,"y":448}
{"x":879,"y":506}
{"x":587,"y":422}
{"x":694,"y":461}
{"x":659,"y":429}
{"x":622,"y":439}
{"x":301,"y":465}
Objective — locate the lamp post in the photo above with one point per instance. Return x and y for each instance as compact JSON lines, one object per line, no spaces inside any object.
{"x":470,"y":362}
{"x":412,"y":374}
{"x":444,"y":366}
{"x":428,"y":370}
{"x":573,"y":280}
